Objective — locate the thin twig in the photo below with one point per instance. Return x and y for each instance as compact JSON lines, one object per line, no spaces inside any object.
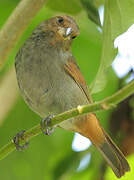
{"x":16,"y":25}
{"x":105,"y":104}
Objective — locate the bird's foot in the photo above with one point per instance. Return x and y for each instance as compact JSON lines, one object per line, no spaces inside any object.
{"x":47,"y":121}
{"x":16,"y":139}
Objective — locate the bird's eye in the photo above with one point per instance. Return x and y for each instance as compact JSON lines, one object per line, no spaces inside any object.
{"x":60,"y":20}
{"x":73,"y":37}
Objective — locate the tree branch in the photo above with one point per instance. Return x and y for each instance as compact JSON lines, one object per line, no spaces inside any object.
{"x":8,"y":81}
{"x":16,"y":25}
{"x":105,"y":104}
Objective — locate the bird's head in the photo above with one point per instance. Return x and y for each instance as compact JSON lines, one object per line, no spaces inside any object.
{"x":63,"y":29}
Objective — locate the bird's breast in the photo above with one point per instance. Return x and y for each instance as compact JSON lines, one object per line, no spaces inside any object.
{"x":45,"y":85}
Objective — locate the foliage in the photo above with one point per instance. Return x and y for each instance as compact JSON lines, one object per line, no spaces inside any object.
{"x":52,"y":158}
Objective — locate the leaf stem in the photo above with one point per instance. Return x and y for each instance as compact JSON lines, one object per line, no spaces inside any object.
{"x":105,"y":104}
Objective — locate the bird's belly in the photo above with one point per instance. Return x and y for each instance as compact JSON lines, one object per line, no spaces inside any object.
{"x":61,"y":97}
{"x":46,"y":87}
{"x":52,"y":95}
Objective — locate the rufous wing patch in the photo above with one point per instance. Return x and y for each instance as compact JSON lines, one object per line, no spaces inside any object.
{"x":74,"y":71}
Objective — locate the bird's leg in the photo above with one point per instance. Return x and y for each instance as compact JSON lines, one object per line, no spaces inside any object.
{"x":47,"y":120}
{"x":16,"y":139}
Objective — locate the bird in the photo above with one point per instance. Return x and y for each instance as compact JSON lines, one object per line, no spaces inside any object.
{"x":51,"y":82}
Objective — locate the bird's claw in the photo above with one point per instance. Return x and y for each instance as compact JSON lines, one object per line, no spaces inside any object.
{"x":47,"y":120}
{"x":16,"y":141}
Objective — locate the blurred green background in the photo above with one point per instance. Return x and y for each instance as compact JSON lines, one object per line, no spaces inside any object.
{"x":52,"y":158}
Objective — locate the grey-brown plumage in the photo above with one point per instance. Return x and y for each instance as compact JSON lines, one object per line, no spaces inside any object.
{"x":51,"y":82}
{"x":40,"y":73}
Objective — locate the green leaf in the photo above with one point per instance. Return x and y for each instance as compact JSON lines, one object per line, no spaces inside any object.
{"x":92,"y":11}
{"x":98,"y":3}
{"x":71,"y":7}
{"x":118,"y":16}
{"x":67,"y":165}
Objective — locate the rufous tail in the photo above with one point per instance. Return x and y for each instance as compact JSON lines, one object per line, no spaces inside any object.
{"x":114,"y":156}
{"x":90,"y":127}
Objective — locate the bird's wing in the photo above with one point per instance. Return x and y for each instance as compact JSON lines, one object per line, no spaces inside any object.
{"x":90,"y":127}
{"x":74,"y":71}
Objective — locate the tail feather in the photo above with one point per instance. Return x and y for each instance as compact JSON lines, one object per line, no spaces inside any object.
{"x":90,"y":127}
{"x":114,"y":156}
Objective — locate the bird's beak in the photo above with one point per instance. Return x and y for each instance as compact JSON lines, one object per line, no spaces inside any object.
{"x":68,"y":31}
{"x":65,"y":32}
